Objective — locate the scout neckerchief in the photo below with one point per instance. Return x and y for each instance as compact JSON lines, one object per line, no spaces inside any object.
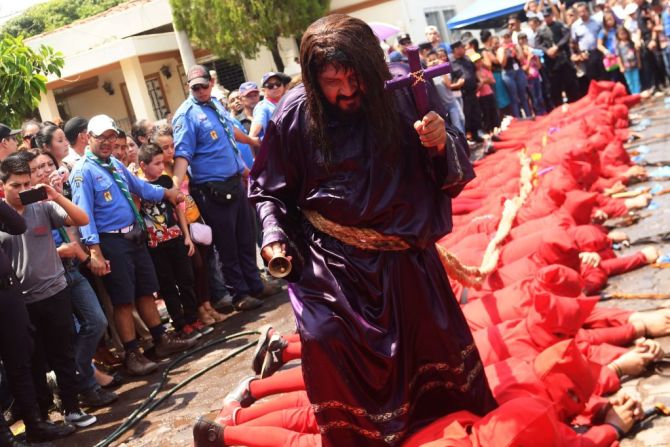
{"x":210,"y":104}
{"x":109,"y":167}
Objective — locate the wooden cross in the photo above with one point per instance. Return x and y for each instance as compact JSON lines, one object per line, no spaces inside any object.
{"x":417,"y":79}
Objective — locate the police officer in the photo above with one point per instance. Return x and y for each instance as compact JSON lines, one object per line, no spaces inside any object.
{"x":116,"y":236}
{"x":205,"y":143}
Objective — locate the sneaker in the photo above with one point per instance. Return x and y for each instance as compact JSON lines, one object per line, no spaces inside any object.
{"x":79,"y":418}
{"x":201,"y":328}
{"x":261,"y":348}
{"x":138,"y":365}
{"x":169,"y":344}
{"x":189,"y":332}
{"x":207,"y":434}
{"x":247,"y":302}
{"x":241,"y":394}
{"x":273,"y":358}
{"x":97,"y":397}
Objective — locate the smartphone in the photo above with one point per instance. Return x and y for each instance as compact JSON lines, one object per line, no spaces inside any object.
{"x":33,"y":195}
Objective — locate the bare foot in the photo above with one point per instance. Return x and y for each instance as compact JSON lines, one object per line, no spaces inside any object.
{"x":656,"y":323}
{"x":102,"y":378}
{"x":638,"y":202}
{"x":651,"y":253}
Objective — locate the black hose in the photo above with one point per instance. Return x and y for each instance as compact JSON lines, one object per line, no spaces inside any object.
{"x":149,"y":404}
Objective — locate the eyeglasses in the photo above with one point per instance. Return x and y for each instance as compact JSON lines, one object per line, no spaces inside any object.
{"x":107,"y":139}
{"x":198,"y":87}
{"x":273,"y":85}
{"x":406,"y":42}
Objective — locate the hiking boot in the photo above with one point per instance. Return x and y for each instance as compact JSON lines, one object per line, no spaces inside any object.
{"x":97,"y":397}
{"x":273,"y":357}
{"x":79,"y":418}
{"x":169,"y":344}
{"x":188,"y":332}
{"x":207,"y":434}
{"x":138,"y":365}
{"x":202,"y":328}
{"x":247,"y":302}
{"x":241,"y":394}
{"x":261,"y":348}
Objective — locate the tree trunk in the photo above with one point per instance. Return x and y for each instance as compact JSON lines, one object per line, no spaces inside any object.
{"x":276,"y":56}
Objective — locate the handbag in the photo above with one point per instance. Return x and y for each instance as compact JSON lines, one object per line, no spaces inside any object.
{"x":201,"y":233}
{"x":611,"y":62}
{"x":226,"y":191}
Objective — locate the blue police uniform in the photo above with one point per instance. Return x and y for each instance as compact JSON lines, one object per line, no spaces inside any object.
{"x":262,"y":114}
{"x":201,"y":138}
{"x":110,"y":217}
{"x":197,"y":126}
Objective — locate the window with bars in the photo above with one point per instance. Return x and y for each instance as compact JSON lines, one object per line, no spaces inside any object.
{"x":230,"y":74}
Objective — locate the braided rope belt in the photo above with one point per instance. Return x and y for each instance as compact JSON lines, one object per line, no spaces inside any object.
{"x":363,"y":238}
{"x":469,"y":276}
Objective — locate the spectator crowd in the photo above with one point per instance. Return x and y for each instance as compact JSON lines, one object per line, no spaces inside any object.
{"x":100,"y":229}
{"x":96,"y":238}
{"x":549,"y":59}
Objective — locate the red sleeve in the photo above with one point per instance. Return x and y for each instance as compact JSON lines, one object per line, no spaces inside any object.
{"x":613,"y":207}
{"x":618,"y":336}
{"x":594,"y":279}
{"x":623,"y":264}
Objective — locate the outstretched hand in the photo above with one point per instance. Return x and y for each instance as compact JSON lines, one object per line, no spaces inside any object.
{"x":431,"y":130}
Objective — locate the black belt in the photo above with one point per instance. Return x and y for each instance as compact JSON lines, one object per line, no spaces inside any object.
{"x":9,"y":281}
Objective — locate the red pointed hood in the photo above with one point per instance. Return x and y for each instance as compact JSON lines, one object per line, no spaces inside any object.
{"x":559,"y":280}
{"x":579,"y":204}
{"x":568,"y":377}
{"x":553,"y":318}
{"x":522,"y":422}
{"x":557,"y":247}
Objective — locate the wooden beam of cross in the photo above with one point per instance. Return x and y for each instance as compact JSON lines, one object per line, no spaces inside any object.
{"x":417,"y":79}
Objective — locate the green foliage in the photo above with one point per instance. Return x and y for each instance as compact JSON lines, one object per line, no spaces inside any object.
{"x":23,"y":76}
{"x":231,"y":28}
{"x":55,"y":14}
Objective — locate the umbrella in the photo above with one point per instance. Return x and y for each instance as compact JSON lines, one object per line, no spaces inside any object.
{"x":383,"y":30}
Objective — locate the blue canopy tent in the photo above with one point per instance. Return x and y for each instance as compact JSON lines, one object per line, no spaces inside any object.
{"x":485,"y":14}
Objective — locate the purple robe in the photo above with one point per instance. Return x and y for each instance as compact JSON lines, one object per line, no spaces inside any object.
{"x":385,"y":346}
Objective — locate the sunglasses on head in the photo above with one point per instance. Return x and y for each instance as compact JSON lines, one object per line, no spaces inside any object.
{"x":272,"y":85}
{"x":198,"y":87}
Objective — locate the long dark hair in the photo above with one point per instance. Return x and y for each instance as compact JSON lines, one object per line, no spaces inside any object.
{"x":347,"y":43}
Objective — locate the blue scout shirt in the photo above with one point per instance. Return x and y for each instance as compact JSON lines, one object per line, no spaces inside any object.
{"x":262,"y":114}
{"x":245,"y":150}
{"x":95,"y":191}
{"x":201,"y":139}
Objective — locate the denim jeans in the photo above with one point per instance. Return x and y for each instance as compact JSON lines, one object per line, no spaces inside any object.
{"x":632,"y":76}
{"x":666,"y":60}
{"x":456,"y":116}
{"x":92,"y":325}
{"x":535,"y":86}
{"x":517,"y":83}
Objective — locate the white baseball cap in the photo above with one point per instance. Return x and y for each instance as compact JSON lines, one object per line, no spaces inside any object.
{"x":99,"y":124}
